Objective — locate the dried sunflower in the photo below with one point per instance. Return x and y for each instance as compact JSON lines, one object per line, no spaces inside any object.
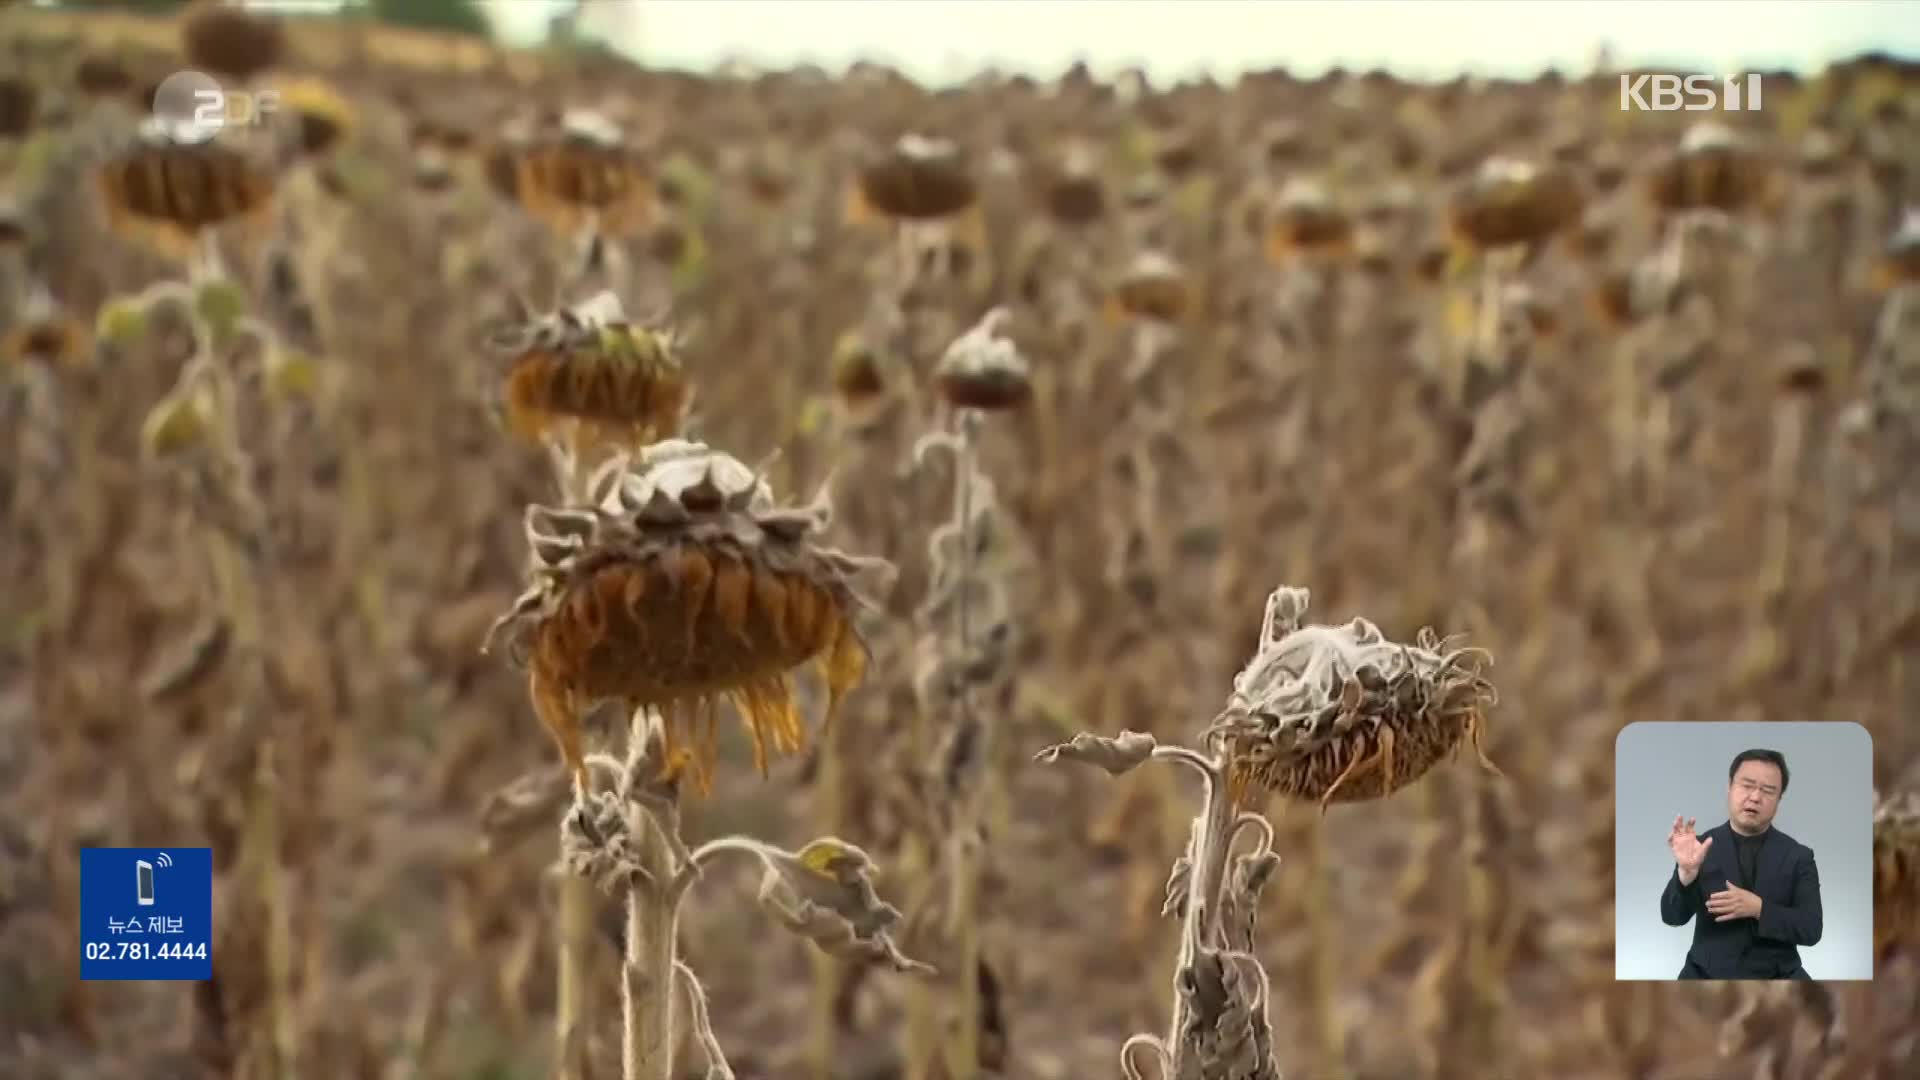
{"x":685,"y":584}
{"x":917,"y":179}
{"x":584,"y":175}
{"x":227,"y":41}
{"x":321,"y":117}
{"x":1306,"y":222}
{"x":1340,"y":714}
{"x":857,"y":374}
{"x":984,"y":370}
{"x":588,"y":374}
{"x":1712,"y":169}
{"x":1510,"y":202}
{"x":1154,"y":287}
{"x":1074,"y":195}
{"x":167,"y":191}
{"x":102,"y":76}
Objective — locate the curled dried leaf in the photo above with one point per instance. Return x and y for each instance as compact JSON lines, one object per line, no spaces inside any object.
{"x":825,"y":893}
{"x":1121,"y":753}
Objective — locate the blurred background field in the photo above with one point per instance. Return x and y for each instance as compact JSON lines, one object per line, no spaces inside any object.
{"x":1657,"y":456}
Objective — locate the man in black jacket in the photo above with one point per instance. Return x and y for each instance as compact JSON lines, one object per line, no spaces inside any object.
{"x":1753,"y":888}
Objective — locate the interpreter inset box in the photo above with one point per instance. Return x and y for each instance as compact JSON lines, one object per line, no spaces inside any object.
{"x":1743,"y":851}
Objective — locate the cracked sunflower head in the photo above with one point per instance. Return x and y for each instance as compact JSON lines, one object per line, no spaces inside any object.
{"x":588,"y":372}
{"x":1340,"y":714}
{"x":683,"y":585}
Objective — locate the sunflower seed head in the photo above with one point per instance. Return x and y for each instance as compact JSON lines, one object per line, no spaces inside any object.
{"x":1307,"y":683}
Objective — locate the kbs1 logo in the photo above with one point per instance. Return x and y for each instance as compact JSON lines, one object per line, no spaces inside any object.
{"x":195,"y":107}
{"x":1648,"y":92}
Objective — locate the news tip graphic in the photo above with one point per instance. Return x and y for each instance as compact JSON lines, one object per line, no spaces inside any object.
{"x":146,"y":913}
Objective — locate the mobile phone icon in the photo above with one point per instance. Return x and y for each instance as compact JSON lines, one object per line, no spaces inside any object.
{"x":144,"y":870}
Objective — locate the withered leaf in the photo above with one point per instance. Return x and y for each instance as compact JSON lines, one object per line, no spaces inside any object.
{"x":1117,"y":755}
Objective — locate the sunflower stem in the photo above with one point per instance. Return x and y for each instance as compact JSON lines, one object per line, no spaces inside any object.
{"x":1207,"y":847}
{"x":572,"y":1015}
{"x":964,"y":1058}
{"x":647,"y":978}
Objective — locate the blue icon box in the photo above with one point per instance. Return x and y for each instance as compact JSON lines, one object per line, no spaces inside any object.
{"x":146,"y":913}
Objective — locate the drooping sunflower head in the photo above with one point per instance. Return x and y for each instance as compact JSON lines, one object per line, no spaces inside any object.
{"x":859,"y":372}
{"x":1711,"y":169}
{"x":166,"y":191}
{"x":1075,"y":194}
{"x":1896,"y":873}
{"x":100,"y":76}
{"x":918,"y":178}
{"x":1340,"y":714}
{"x":1511,"y":202}
{"x":685,"y":585}
{"x":583,"y":173}
{"x":588,"y":372}
{"x":1153,"y":287}
{"x":230,"y":42}
{"x":1307,"y":222}
{"x":321,"y":119}
{"x":983,"y":369}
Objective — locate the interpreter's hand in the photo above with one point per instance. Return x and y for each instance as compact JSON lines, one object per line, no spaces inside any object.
{"x":1733,"y":903}
{"x":1689,"y":851}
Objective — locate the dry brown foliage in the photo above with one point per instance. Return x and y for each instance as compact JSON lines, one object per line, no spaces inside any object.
{"x":1656,"y":459}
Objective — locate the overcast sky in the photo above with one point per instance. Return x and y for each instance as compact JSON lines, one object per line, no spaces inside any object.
{"x":937,"y":40}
